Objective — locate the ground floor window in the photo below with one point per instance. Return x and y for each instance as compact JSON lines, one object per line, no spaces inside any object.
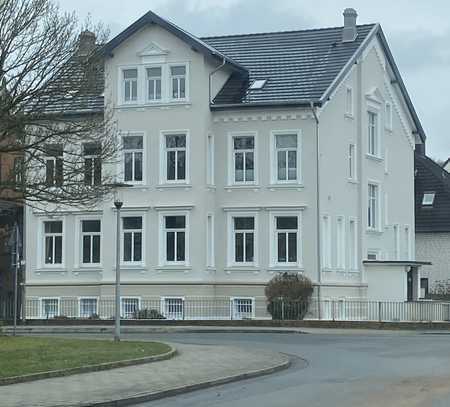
{"x":242,"y":308}
{"x":173,"y":308}
{"x":49,"y":307}
{"x":88,"y":307}
{"x":424,"y":288}
{"x":129,"y":308}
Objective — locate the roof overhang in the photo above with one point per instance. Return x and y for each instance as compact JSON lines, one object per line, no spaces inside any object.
{"x":257,"y":105}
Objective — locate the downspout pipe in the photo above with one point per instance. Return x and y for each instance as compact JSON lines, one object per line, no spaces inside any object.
{"x":212,"y":73}
{"x":318,"y":234}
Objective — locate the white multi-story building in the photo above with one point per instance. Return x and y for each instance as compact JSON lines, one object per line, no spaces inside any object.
{"x":249,"y":155}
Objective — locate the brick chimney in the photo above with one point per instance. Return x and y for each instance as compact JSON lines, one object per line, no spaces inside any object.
{"x":86,"y":43}
{"x":349,"y":33}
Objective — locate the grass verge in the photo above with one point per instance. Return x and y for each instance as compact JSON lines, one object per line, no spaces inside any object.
{"x":26,"y":355}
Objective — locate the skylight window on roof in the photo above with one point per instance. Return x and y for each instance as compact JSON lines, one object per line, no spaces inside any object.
{"x":258,"y":84}
{"x":428,"y":198}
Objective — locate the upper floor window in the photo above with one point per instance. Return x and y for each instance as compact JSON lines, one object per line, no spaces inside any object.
{"x":133,"y":148}
{"x":90,"y":235}
{"x":130,"y":85}
{"x":286,"y":157}
{"x":53,"y":246}
{"x":373,"y":134}
{"x":92,"y":164}
{"x":178,"y":81}
{"x":244,"y":159}
{"x":132,"y":239}
{"x":54,"y":164}
{"x":175,"y":151}
{"x":244,"y":240}
{"x":372,"y":211}
{"x":154,"y":83}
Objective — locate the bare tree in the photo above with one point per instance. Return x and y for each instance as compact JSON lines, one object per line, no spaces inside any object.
{"x":55,"y":132}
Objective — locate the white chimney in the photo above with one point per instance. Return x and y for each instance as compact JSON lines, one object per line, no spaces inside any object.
{"x":349,"y":32}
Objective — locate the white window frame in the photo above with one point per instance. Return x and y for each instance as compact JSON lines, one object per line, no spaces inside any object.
{"x":169,"y":78}
{"x":210,"y":159}
{"x":41,"y":244}
{"x":162,"y":239}
{"x":231,"y":159}
{"x":376,"y":225}
{"x":388,"y":116}
{"x":122,"y":314}
{"x":41,"y":304}
{"x":236,"y":315}
{"x":163,"y":157}
{"x":169,"y":316}
{"x":210,"y":241}
{"x":430,"y":197}
{"x":352,"y":160}
{"x":79,"y":241}
{"x":147,"y":83}
{"x":131,"y":214}
{"x":93,"y":158}
{"x":274,"y":156}
{"x":376,"y":134}
{"x":340,"y":243}
{"x":274,"y":242}
{"x":349,"y":101}
{"x":55,"y":159}
{"x":353,"y":245}
{"x":231,"y":239}
{"x":121,"y":85}
{"x":326,"y":242}
{"x":80,"y":299}
{"x":121,"y":169}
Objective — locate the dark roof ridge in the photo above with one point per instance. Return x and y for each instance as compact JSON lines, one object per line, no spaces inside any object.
{"x":281,"y":32}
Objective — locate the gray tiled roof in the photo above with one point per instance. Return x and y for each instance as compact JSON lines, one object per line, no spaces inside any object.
{"x":431,"y":177}
{"x":299,"y":65}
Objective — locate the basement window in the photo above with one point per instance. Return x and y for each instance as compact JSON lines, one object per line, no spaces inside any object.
{"x":258,"y":84}
{"x":428,"y":198}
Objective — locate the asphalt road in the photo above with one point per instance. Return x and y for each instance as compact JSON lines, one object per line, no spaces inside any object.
{"x":389,"y":369}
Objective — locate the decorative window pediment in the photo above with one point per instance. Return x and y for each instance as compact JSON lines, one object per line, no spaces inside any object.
{"x":153,"y":53}
{"x":375,"y":96}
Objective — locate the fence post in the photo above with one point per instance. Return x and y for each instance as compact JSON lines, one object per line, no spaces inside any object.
{"x":282,"y":310}
{"x":379,"y":311}
{"x":332,"y":310}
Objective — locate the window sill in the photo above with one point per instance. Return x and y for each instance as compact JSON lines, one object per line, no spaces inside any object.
{"x":374,"y":232}
{"x":51,"y":269}
{"x":352,"y":181}
{"x":84,"y":269}
{"x":173,"y":268}
{"x":241,"y":269}
{"x":327,"y":269}
{"x":162,"y":104}
{"x":349,"y":116}
{"x":282,"y":269}
{"x":374,"y":157}
{"x":174,"y":185}
{"x":243,"y":186}
{"x":286,"y":185}
{"x":131,"y":267}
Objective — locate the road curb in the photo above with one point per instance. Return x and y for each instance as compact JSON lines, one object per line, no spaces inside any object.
{"x":87,"y":369}
{"x":143,"y":397}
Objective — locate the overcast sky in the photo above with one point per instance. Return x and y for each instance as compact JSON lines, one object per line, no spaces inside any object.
{"x":418,"y":32}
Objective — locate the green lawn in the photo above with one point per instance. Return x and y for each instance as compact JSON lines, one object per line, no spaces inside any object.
{"x":26,"y":355}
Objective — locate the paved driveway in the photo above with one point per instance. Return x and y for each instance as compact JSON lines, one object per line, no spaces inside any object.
{"x":359,"y":369}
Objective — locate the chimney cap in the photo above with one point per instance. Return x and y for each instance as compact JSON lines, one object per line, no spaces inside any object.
{"x":350,"y":12}
{"x":350,"y":31}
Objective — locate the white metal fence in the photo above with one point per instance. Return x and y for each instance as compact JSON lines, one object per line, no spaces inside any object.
{"x":236,"y":309}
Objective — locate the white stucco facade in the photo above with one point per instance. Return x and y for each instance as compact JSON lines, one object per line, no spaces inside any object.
{"x":209,"y":199}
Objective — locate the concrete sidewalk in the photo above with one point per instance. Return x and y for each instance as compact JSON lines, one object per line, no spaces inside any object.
{"x":195,"y":367}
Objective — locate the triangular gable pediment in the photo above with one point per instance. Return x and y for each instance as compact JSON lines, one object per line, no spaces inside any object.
{"x":152,"y":50}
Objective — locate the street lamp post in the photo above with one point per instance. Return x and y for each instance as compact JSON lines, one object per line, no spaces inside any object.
{"x":118,"y":204}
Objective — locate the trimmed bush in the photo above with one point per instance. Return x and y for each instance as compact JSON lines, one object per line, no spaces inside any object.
{"x":149,"y":314}
{"x":288,"y":296}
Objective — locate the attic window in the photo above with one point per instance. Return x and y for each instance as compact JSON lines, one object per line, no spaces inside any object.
{"x":258,"y":84}
{"x":428,"y":198}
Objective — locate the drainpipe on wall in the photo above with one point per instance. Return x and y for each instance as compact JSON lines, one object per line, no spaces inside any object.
{"x":319,"y":256}
{"x":212,"y":73}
